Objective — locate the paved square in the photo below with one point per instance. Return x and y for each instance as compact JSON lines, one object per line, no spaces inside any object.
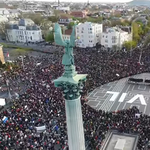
{"x":120,"y":95}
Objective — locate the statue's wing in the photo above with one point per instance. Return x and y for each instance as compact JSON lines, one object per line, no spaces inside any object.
{"x":73,"y":37}
{"x":58,"y":35}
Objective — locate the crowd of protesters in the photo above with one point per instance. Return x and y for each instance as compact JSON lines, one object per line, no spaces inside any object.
{"x":41,"y":104}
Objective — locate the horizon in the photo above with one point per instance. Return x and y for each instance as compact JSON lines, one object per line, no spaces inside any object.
{"x":83,"y":1}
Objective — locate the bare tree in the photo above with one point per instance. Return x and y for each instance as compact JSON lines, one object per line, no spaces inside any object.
{"x":3,"y":30}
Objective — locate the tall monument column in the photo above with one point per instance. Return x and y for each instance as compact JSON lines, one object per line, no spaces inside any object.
{"x":71,"y":84}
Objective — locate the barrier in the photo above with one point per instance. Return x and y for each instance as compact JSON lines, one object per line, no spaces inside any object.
{"x":139,"y":81}
{"x":135,"y":80}
{"x":147,"y":81}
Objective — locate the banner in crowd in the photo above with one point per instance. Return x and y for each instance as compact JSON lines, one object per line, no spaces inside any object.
{"x":137,"y":115}
{"x":40,"y":129}
{"x":2,"y":102}
{"x":5,"y":119}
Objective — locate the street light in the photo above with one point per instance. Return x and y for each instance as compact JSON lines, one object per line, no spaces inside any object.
{"x":22,"y":62}
{"x":8,"y":88}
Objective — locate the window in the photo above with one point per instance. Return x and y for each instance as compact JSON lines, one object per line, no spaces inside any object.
{"x":113,"y":41}
{"x":106,"y":36}
{"x":114,"y":37}
{"x":106,"y":41}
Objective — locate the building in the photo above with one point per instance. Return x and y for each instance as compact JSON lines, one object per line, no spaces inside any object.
{"x":67,"y":33}
{"x":79,"y":14}
{"x":88,"y":34}
{"x":120,"y":141}
{"x":9,"y":13}
{"x":24,"y":31}
{"x":114,"y":37}
{"x":65,"y":19}
{"x":63,"y":8}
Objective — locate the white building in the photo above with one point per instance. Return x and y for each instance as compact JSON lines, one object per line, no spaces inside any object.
{"x":63,"y":8}
{"x":9,"y":13}
{"x":114,"y":37}
{"x":24,"y":31}
{"x":88,"y":34}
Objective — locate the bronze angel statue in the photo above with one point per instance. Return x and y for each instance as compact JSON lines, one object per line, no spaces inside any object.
{"x":68,"y":58}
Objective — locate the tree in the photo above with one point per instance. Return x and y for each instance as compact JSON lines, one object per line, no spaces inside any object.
{"x":147,"y":41}
{"x":46,"y":26}
{"x":3,"y":30}
{"x":37,"y":18}
{"x":137,"y":31}
{"x":53,"y":19}
{"x":50,"y":37}
{"x":70,"y":25}
{"x":129,"y":44}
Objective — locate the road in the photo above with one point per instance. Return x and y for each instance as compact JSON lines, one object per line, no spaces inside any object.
{"x":36,"y":47}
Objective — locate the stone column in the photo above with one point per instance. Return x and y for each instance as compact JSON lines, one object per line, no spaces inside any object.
{"x":75,"y":124}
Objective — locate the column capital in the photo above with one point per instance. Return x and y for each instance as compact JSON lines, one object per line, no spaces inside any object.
{"x":71,"y":91}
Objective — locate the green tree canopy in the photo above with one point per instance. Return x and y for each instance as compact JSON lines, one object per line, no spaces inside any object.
{"x":37,"y":18}
{"x":70,"y":25}
{"x":50,"y":37}
{"x":130,"y":44}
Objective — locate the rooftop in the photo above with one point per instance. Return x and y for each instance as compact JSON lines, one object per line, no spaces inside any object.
{"x":120,"y":141}
{"x":68,"y":32}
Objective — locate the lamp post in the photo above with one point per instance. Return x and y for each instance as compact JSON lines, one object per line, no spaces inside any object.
{"x":22,"y":62}
{"x":8,"y":88}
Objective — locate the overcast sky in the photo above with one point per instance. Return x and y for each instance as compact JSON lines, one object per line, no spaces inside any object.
{"x":102,"y":1}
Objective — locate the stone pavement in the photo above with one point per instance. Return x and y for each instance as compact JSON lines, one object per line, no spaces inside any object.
{"x":120,"y":95}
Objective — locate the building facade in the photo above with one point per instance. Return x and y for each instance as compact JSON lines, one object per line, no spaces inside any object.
{"x":88,"y":34}
{"x":65,"y":20}
{"x":79,"y":14}
{"x":24,"y":31}
{"x":115,"y":37}
{"x":66,"y":35}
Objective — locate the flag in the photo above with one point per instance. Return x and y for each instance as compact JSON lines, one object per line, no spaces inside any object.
{"x":40,"y":129}
{"x":5,"y":119}
{"x":7,"y":54}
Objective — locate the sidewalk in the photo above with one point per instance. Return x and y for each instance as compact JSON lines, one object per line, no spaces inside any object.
{"x":35,"y":47}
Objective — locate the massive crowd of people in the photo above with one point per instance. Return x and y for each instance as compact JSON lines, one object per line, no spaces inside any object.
{"x":41,"y":104}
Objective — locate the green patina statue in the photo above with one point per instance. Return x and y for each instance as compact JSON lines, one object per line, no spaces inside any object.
{"x":68,"y":58}
{"x":70,"y":82}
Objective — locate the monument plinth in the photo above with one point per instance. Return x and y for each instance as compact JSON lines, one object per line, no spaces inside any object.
{"x":71,"y":85}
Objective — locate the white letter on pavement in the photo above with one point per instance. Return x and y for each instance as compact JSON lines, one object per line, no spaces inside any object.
{"x":121,"y":99}
{"x":115,"y":95}
{"x":141,"y":98}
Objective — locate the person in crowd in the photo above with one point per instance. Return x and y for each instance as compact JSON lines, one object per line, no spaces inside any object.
{"x":41,"y":105}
